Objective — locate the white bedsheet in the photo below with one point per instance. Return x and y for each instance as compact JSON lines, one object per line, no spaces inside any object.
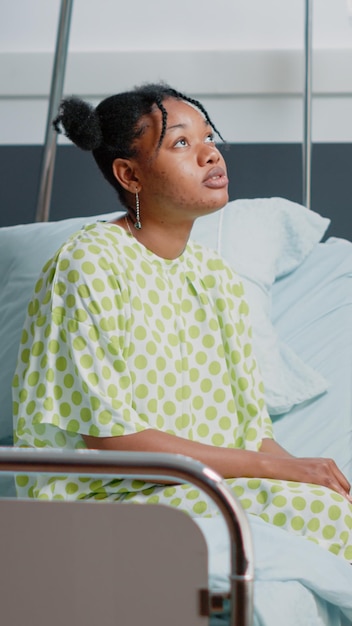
{"x":287,"y":569}
{"x":314,"y":315}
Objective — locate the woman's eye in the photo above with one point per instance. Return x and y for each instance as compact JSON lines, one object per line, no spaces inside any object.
{"x":210,"y":138}
{"x":181,"y":142}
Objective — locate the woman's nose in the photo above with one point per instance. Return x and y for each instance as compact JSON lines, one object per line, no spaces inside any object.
{"x":209,"y":154}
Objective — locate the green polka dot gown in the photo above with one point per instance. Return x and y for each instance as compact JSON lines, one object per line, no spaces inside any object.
{"x":118,"y":340}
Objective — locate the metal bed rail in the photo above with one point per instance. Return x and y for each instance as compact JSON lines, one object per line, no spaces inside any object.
{"x":156,"y":467}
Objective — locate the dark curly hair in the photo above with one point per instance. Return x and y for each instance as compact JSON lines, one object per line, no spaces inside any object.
{"x":110,"y":129}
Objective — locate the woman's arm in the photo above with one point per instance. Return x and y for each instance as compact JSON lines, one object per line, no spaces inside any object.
{"x":271,"y":461}
{"x":226,"y":461}
{"x":270,"y":446}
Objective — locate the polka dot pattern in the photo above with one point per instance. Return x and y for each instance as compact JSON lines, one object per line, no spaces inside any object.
{"x":118,"y":340}
{"x":131,"y":341}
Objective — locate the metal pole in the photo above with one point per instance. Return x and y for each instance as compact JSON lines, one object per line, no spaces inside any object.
{"x":153,"y":467}
{"x":307,"y":141}
{"x":57,"y":80}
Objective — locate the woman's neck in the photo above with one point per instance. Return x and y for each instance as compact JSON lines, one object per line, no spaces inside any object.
{"x":167,"y":242}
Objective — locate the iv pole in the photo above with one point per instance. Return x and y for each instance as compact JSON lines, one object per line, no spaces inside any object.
{"x":48,"y":158}
{"x":307,"y":139}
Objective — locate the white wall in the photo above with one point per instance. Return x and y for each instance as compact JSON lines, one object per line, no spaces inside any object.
{"x":243,"y":58}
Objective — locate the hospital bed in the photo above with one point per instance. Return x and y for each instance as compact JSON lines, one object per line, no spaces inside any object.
{"x":299,"y":287}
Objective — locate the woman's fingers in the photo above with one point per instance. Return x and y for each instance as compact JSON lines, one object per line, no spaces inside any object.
{"x":319,"y":471}
{"x":326,"y":472}
{"x":345,"y":484}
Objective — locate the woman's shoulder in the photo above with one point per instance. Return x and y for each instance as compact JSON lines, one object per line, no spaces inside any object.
{"x":209,"y":258}
{"x":93,"y":246}
{"x":101,"y":232}
{"x":91,"y":240}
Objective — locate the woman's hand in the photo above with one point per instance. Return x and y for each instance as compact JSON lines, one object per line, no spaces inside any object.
{"x":325,"y":472}
{"x":319,"y":471}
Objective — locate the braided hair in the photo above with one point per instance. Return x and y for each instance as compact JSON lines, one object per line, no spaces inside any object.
{"x":109,"y":131}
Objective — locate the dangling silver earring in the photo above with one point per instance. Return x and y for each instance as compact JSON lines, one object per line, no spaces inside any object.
{"x":137,"y":223}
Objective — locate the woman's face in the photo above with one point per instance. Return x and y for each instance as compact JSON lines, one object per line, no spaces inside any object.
{"x":186,"y":177}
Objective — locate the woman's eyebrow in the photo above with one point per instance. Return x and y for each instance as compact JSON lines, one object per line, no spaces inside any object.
{"x":176,"y":126}
{"x":182,"y":126}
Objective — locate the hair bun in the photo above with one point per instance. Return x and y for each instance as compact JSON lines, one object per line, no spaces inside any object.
{"x":80,"y":123}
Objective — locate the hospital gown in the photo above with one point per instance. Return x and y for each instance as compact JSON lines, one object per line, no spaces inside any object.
{"x":118,"y":340}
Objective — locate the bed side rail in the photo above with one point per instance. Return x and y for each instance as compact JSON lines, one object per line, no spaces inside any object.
{"x":156,"y":467}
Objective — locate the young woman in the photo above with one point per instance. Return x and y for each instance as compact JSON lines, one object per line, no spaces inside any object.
{"x":139,"y":339}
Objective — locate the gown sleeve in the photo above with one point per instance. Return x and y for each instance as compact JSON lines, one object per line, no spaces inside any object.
{"x":72,"y":372}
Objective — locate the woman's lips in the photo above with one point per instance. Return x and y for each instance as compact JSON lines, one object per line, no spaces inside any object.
{"x":216,"y":178}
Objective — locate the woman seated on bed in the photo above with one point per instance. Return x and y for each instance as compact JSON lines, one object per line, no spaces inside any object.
{"x":139,"y":339}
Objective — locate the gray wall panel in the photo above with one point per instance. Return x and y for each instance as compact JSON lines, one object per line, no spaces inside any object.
{"x":256,"y":170}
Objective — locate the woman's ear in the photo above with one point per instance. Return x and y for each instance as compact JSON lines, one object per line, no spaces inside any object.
{"x":125,"y":174}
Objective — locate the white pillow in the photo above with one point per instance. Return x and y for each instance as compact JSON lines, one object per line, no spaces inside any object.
{"x":264,"y":239}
